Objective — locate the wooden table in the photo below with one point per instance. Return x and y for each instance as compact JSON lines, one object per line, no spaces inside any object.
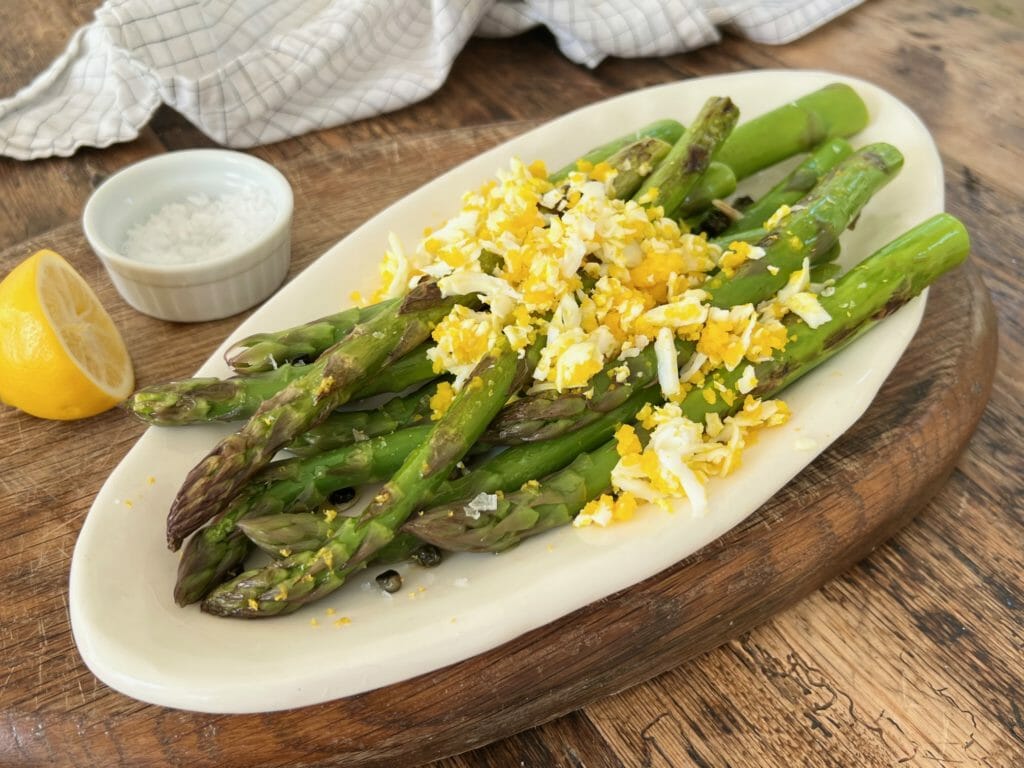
{"x":914,"y":656}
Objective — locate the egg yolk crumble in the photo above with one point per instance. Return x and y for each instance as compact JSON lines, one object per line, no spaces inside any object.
{"x":595,"y":280}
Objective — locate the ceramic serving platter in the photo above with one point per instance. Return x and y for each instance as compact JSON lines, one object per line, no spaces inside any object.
{"x":135,"y":639}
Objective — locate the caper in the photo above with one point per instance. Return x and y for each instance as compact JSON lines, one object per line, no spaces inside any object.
{"x":428,"y":556}
{"x":342,"y":496}
{"x":390,"y":581}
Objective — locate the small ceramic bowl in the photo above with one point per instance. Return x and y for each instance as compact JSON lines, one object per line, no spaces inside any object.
{"x":166,"y":285}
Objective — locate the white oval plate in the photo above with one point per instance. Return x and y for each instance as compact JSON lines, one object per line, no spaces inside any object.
{"x":136,"y":640}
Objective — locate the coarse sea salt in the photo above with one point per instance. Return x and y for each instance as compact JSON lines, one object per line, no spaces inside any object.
{"x":201,"y":227}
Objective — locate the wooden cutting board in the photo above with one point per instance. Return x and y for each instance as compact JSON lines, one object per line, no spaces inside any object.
{"x":853,"y":497}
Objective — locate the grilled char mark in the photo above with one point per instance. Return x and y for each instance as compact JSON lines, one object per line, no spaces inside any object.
{"x":424,"y":295}
{"x":697,"y":159}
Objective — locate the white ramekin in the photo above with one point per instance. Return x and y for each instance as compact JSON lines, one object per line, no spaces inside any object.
{"x":206,"y":290}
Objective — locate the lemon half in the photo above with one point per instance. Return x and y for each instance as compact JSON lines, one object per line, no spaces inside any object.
{"x":61,"y":356}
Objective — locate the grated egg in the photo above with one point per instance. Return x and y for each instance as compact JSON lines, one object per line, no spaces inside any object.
{"x":597,"y":280}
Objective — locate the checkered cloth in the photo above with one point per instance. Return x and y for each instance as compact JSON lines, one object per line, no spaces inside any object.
{"x":249,"y":72}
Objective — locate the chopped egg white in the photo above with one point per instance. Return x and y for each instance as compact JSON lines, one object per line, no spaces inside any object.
{"x":395,"y":270}
{"x":747,"y":381}
{"x":808,"y":308}
{"x":668,"y":362}
{"x":681,"y":454}
{"x":495,"y":292}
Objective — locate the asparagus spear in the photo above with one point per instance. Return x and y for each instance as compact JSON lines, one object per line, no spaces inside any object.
{"x":268,"y":351}
{"x":746,"y":236}
{"x":634,"y":163}
{"x":532,"y":509}
{"x":717,"y":183}
{"x":289,"y":584}
{"x":304,"y":531}
{"x":412,"y":370}
{"x":717,"y":222}
{"x":668,"y":131}
{"x":218,"y":550}
{"x":637,"y":160}
{"x":869,"y":292}
{"x":289,"y":532}
{"x":801,"y":125}
{"x":403,"y":548}
{"x":671,"y":181}
{"x":205,"y":399}
{"x":794,"y":185}
{"x":872,"y":290}
{"x":328,"y":383}
{"x":343,"y":428}
{"x":812,"y":231}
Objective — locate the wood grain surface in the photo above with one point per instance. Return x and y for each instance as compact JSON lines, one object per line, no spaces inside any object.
{"x":912,"y":651}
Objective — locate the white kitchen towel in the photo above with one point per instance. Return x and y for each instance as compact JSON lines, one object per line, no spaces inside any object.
{"x":249,"y":72}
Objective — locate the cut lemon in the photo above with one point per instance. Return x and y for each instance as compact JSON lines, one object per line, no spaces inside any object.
{"x":61,"y":356}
